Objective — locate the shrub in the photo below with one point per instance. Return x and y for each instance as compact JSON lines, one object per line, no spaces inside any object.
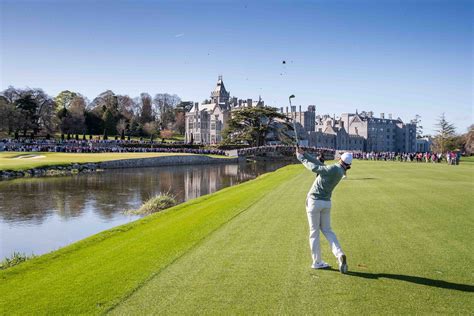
{"x":15,"y":259}
{"x":155,"y":204}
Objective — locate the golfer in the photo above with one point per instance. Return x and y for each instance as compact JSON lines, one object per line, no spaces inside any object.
{"x":318,"y":205}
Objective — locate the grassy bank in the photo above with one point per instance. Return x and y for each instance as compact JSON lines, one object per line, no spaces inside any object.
{"x":405,"y":228}
{"x":22,"y":160}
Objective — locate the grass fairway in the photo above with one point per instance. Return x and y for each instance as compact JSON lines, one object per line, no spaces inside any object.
{"x":406,"y":228}
{"x":22,"y":160}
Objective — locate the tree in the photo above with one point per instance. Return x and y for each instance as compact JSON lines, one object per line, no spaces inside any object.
{"x":93,"y":122}
{"x":445,"y":133}
{"x":146,"y":114}
{"x":9,"y":116}
{"x":136,"y":128}
{"x":469,"y":140}
{"x":27,"y":108}
{"x":122,"y":125}
{"x":126,"y":107}
{"x":64,"y":98}
{"x":185,"y":106}
{"x":109,"y":123}
{"x":105,"y":100}
{"x":180,"y":123}
{"x":253,"y":125}
{"x":34,"y":110}
{"x":72,"y":119}
{"x":151,"y":129}
{"x":164,"y":108}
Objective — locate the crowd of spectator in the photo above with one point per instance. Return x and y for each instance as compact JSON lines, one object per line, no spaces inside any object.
{"x":98,"y":146}
{"x":451,"y":157}
{"x":283,"y":149}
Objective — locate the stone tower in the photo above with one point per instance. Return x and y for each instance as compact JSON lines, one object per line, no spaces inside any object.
{"x":220,"y":94}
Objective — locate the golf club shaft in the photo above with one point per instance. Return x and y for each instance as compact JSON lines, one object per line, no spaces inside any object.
{"x":294,"y":125}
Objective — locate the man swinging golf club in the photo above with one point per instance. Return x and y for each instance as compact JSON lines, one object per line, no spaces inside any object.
{"x":318,"y":205}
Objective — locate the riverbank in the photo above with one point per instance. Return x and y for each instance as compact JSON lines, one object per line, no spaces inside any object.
{"x":244,"y":250}
{"x":17,"y":165}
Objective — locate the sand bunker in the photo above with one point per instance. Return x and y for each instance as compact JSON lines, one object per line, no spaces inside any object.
{"x":30,"y":157}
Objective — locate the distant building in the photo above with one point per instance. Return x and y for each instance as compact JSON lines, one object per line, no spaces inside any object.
{"x":382,"y":134}
{"x":423,"y":144}
{"x":332,"y":133}
{"x":206,"y":121}
{"x":379,"y":134}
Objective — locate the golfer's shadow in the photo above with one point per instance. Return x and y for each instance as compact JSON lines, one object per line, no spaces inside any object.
{"x":413,"y":279}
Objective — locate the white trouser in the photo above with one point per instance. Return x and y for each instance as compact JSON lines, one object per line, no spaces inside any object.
{"x":319,"y":217}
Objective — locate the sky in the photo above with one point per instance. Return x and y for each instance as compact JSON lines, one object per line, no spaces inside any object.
{"x":385,"y":56}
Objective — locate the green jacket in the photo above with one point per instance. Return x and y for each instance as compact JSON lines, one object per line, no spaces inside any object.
{"x":327,"y":179}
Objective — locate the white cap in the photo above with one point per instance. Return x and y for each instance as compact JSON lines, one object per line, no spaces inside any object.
{"x":347,"y":158}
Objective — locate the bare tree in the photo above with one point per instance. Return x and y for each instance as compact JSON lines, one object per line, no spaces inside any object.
{"x":72,"y":120}
{"x":126,"y":106}
{"x":180,"y":123}
{"x":107,"y":100}
{"x":151,"y":129}
{"x":164,"y":107}
{"x":122,"y":126}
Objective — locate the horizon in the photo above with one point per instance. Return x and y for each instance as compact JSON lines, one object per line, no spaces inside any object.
{"x":341,"y":56}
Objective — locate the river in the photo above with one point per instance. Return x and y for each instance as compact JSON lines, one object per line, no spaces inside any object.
{"x":39,"y":215}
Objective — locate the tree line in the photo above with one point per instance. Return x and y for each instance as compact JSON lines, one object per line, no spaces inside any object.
{"x":31,"y":113}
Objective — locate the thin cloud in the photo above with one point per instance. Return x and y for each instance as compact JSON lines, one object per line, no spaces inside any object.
{"x":179,"y":35}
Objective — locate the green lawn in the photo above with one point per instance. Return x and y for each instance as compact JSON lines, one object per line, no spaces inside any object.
{"x":467,"y":159}
{"x":22,"y":160}
{"x":243,"y":250}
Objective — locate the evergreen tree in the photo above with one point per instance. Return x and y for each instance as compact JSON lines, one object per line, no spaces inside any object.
{"x":252,"y":125}
{"x":445,"y":132}
{"x":109,"y":122}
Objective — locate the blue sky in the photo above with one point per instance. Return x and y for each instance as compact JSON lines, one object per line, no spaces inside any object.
{"x":400,"y":57}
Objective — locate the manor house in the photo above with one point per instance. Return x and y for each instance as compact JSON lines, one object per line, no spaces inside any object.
{"x":206,"y":121}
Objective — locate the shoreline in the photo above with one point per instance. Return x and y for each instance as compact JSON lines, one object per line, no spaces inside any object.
{"x":70,"y":169}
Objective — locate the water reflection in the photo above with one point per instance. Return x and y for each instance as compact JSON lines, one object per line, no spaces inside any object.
{"x":41,"y":214}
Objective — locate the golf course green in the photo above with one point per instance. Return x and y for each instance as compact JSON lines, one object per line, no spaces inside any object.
{"x":22,"y":160}
{"x":406,"y":229}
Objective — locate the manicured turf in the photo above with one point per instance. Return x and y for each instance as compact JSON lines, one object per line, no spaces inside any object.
{"x":467,"y":159}
{"x":406,"y":229}
{"x":22,"y":160}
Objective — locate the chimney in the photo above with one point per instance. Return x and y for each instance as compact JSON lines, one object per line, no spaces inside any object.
{"x":281,"y":109}
{"x":382,"y":115}
{"x":300,"y":108}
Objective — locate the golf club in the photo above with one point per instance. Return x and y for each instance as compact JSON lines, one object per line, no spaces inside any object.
{"x":294,"y":125}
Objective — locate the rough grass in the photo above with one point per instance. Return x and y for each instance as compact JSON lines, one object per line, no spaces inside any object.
{"x":15,"y":259}
{"x":157,"y":203}
{"x":10,"y":161}
{"x":244,"y":250}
